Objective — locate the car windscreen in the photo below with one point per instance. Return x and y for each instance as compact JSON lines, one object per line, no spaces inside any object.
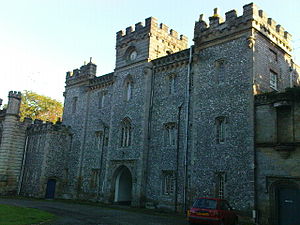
{"x":205,"y":204}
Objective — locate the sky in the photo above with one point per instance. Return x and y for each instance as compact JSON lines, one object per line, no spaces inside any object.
{"x":40,"y":40}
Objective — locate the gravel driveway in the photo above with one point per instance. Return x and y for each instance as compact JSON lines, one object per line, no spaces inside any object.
{"x":73,"y":214}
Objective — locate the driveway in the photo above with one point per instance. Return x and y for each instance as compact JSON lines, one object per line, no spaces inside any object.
{"x":73,"y":214}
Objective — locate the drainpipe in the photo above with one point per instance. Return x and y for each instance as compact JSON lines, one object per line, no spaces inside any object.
{"x":23,"y":165}
{"x":177,"y":157}
{"x":152,"y":79}
{"x":187,"y":105}
{"x":101,"y":159}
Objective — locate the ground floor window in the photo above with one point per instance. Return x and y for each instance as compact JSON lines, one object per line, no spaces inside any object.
{"x":168,"y":182}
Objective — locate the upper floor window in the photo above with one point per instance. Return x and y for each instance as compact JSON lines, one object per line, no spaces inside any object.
{"x":220,"y":70}
{"x":74,"y":104}
{"x":220,"y":129}
{"x":128,"y":84}
{"x":172,"y":84}
{"x":102,"y":99}
{"x":170,"y":134}
{"x":273,"y":79}
{"x":273,"y":56}
{"x":128,"y":91}
{"x":126,"y":133}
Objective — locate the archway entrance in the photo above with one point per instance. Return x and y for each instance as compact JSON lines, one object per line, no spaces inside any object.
{"x":123,"y":186}
{"x":50,"y":190}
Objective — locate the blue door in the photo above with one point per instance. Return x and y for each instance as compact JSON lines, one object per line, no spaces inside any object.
{"x":50,"y":190}
{"x":289,"y":206}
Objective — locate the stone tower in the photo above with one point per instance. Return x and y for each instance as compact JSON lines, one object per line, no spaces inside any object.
{"x":147,"y":42}
{"x":234,"y":59}
{"x":12,"y":145}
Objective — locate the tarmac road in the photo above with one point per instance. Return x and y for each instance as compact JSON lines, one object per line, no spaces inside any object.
{"x":75,"y":214}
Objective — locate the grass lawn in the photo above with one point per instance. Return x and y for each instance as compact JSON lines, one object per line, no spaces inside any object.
{"x":13,"y":215}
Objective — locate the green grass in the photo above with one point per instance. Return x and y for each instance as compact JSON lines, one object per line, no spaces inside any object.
{"x":13,"y":215}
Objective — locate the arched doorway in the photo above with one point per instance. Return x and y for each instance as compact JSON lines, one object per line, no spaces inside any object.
{"x":123,"y":186}
{"x":50,"y":189}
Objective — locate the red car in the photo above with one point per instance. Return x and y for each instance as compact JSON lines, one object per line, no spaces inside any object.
{"x":212,"y":211}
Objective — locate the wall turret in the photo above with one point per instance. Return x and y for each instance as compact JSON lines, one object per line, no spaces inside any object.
{"x":252,"y":18}
{"x":85,"y":73}
{"x":12,"y":144}
{"x":14,"y":101}
{"x":147,"y":42}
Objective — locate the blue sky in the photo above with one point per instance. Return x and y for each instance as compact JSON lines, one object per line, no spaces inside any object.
{"x":40,"y":40}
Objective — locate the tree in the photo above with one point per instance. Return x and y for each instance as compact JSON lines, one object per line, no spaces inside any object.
{"x":37,"y":106}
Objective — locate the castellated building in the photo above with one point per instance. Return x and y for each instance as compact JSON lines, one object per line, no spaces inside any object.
{"x":171,"y":123}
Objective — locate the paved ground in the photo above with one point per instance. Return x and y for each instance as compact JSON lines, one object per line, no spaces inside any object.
{"x":75,"y":214}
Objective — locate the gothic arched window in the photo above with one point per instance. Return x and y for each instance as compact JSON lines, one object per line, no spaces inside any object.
{"x":128,"y":84}
{"x":126,"y":131}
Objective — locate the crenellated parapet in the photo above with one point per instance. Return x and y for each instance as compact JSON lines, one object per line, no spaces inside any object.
{"x":85,"y":72}
{"x":252,"y":18}
{"x":171,"y":61}
{"x":39,"y":127}
{"x":102,"y":81}
{"x":151,"y":27}
{"x":14,"y":94}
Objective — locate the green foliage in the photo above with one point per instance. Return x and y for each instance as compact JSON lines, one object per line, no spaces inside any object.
{"x":40,"y":107}
{"x":12,"y":215}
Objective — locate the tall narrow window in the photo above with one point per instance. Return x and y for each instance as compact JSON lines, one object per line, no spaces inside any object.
{"x":128,"y":91}
{"x":74,"y":104}
{"x":220,"y":185}
{"x":220,"y":70}
{"x":220,"y":129}
{"x":170,"y":134}
{"x":94,"y":178}
{"x":98,"y":139}
{"x":273,"y":79}
{"x":273,"y":56}
{"x":168,"y":185}
{"x":126,"y":133}
{"x":171,"y":84}
{"x":102,"y":99}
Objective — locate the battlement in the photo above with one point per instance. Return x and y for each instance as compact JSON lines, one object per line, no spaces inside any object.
{"x":252,"y":17}
{"x":87,"y":71}
{"x":150,"y":25}
{"x":39,"y":126}
{"x":14,"y":94}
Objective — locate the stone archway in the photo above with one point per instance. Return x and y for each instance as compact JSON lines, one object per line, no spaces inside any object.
{"x":123,"y":186}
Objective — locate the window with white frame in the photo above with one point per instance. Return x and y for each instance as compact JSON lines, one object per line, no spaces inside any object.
{"x":170,"y":134}
{"x":168,"y":185}
{"x":220,"y":129}
{"x":126,"y":133}
{"x":273,"y":79}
